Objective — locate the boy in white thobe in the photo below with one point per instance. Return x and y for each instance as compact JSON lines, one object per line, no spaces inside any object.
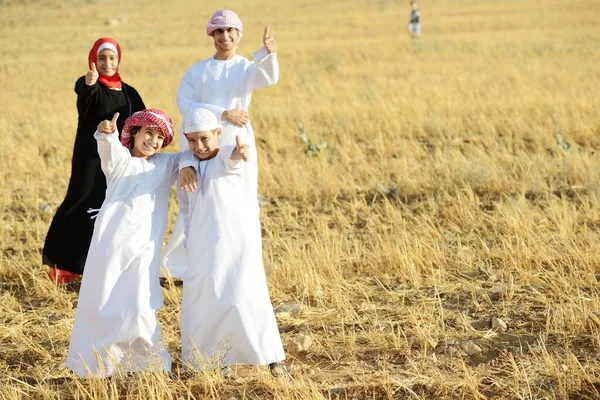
{"x":226,"y":314}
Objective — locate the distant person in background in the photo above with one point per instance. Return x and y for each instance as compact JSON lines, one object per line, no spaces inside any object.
{"x":100,"y":94}
{"x":223,"y":84}
{"x":414,"y":26}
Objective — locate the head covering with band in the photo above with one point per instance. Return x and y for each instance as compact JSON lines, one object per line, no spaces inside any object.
{"x":113,"y":82}
{"x":152,"y":118}
{"x":224,"y":19}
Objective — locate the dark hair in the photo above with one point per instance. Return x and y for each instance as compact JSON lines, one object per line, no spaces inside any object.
{"x":132,"y":131}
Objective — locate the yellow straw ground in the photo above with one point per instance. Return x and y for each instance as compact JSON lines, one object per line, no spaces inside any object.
{"x":411,"y":192}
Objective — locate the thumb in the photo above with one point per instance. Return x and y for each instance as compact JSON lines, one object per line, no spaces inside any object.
{"x":94,"y":67}
{"x":113,"y":122}
{"x":266,"y":34}
{"x":238,"y":144}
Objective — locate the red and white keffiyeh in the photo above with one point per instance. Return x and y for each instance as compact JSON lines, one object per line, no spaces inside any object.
{"x":224,"y":19}
{"x":113,"y":82}
{"x":152,"y":118}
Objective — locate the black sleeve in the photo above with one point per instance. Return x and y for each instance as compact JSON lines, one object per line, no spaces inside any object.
{"x":84,"y":90}
{"x":85,"y":94}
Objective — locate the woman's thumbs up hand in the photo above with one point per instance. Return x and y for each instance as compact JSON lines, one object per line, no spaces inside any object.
{"x":92,"y":75}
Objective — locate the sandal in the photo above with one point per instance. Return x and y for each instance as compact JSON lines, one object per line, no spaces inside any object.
{"x":278,"y":369}
{"x":225,"y":371}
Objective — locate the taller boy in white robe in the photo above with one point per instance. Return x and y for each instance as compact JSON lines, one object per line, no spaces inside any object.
{"x":226,"y":315}
{"x":115,"y":327}
{"x":222,"y":86}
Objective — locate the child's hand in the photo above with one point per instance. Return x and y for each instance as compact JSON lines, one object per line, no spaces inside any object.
{"x":107,"y":126}
{"x":92,"y":75}
{"x":241,"y":150}
{"x":236,"y":116}
{"x":269,"y":42}
{"x":188,"y":180}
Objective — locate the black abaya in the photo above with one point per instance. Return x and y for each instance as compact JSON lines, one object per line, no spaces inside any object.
{"x":70,"y":233}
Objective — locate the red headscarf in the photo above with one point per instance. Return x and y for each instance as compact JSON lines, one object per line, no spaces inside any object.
{"x":114,"y":81}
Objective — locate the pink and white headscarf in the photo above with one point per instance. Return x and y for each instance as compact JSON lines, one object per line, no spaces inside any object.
{"x":152,"y":118}
{"x":224,"y":19}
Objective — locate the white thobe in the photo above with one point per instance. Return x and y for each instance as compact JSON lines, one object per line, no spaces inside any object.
{"x":115,"y":327}
{"x":220,"y":85}
{"x":226,"y":314}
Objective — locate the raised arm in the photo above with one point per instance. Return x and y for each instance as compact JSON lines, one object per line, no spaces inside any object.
{"x":87,"y":86}
{"x":264,"y":71}
{"x":114,"y":158}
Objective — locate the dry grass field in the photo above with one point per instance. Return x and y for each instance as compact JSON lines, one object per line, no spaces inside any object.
{"x":410,"y":193}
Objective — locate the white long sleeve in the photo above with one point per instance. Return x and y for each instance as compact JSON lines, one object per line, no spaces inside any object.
{"x":173,"y":169}
{"x":264,"y":71}
{"x":231,"y":166}
{"x":113,"y":156}
{"x":183,"y":200}
{"x":188,"y":159}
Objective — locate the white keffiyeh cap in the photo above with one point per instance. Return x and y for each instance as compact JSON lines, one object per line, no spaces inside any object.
{"x":200,"y":120}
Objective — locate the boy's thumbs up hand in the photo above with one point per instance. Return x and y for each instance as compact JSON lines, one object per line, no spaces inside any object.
{"x":241,"y":150}
{"x":92,"y":75}
{"x":269,"y":42}
{"x":107,"y":126}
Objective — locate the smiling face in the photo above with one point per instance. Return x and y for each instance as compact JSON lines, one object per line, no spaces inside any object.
{"x":226,"y":39}
{"x":107,"y":63}
{"x":205,"y":144}
{"x":146,"y":142}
